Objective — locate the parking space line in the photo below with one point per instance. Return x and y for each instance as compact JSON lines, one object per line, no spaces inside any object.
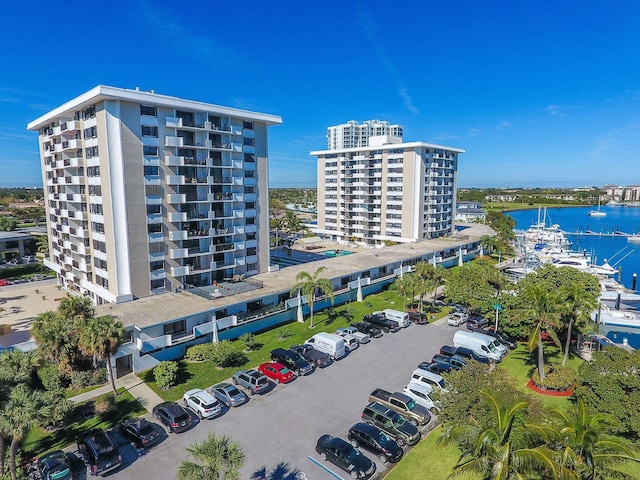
{"x":335,"y":475}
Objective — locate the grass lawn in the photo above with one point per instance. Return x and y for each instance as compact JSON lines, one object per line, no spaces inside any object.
{"x":204,"y":375}
{"x":72,"y":392}
{"x":39,"y":441}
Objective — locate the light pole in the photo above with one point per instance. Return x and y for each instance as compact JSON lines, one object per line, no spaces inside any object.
{"x":498,"y":307}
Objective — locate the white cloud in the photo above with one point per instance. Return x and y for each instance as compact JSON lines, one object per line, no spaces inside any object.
{"x":504,"y":124}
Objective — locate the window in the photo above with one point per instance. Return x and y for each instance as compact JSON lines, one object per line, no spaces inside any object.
{"x":103,"y":282}
{"x":96,"y":208}
{"x":156,"y":247}
{"x":128,"y":336}
{"x":149,"y":131}
{"x":97,"y":227}
{"x":151,"y":171}
{"x":159,"y":283}
{"x":153,"y":209}
{"x":176,"y":327}
{"x":249,"y":158}
{"x":95,"y":190}
{"x":157,"y":265}
{"x":148,"y":110}
{"x":251,"y":251}
{"x":247,"y":125}
{"x":250,"y":142}
{"x":148,"y":150}
{"x":91,"y":132}
{"x":89,"y":112}
{"x":155,"y":228}
{"x":100,"y":246}
{"x":100,"y":263}
{"x":252,"y":266}
{"x":91,"y":151}
{"x":93,"y":171}
{"x":250,"y":205}
{"x":153,"y":190}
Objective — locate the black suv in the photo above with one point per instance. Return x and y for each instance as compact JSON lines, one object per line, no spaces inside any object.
{"x":292,"y":360}
{"x":173,"y":416}
{"x":476,"y":321}
{"x":345,"y":456}
{"x":98,"y":452}
{"x":314,"y":357}
{"x":369,"y":329}
{"x":381,"y":321}
{"x":142,"y":433}
{"x":374,"y":439}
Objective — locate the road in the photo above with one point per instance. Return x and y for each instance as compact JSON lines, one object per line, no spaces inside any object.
{"x":278,"y":430}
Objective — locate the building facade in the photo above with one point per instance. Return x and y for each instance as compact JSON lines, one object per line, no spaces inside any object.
{"x":354,"y":135}
{"x":470,"y":212}
{"x":388,"y":191}
{"x":147,"y":193}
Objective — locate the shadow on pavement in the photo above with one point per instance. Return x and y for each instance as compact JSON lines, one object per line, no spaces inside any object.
{"x":282,"y":471}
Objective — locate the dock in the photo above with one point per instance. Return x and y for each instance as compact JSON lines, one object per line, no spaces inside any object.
{"x":591,"y":233}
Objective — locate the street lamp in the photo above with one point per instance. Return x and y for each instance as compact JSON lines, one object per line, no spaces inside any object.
{"x":498,"y":308}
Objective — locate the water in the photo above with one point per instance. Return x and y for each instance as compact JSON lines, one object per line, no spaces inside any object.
{"x":616,"y":249}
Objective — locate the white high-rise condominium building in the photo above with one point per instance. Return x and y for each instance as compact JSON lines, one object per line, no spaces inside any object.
{"x":353,"y":135}
{"x":148,"y":193}
{"x":388,"y":191}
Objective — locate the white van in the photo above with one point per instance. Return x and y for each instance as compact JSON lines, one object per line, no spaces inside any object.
{"x":433,"y":380}
{"x":397,"y":316}
{"x":328,"y":343}
{"x":478,"y":342}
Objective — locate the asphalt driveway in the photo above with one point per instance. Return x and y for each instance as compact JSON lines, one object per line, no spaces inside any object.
{"x":278,"y":430}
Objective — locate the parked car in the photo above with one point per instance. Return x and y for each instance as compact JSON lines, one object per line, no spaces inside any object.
{"x":368,"y":328}
{"x":252,"y":380}
{"x":55,"y":466}
{"x":421,"y":394}
{"x":456,"y":319}
{"x":350,"y":342}
{"x":292,"y":360}
{"x":141,"y":432}
{"x":375,"y":440}
{"x":429,"y":378}
{"x":403,"y":404}
{"x":435,"y":367}
{"x":343,"y":455}
{"x":328,"y":343}
{"x":98,"y":452}
{"x":392,"y":423}
{"x":381,"y":321}
{"x":276,"y":372}
{"x":481,"y":344}
{"x":418,"y":318}
{"x":228,"y":394}
{"x":361,"y":337}
{"x":4,"y":282}
{"x":501,"y":337}
{"x":314,"y":357}
{"x":476,"y":321}
{"x":202,"y":402}
{"x":172,"y":416}
{"x":463,"y":351}
{"x":456,"y":361}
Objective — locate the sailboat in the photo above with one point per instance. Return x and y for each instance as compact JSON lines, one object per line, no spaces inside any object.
{"x":597,"y":213}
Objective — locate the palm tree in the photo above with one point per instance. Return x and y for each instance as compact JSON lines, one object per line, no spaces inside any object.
{"x":579,"y":303}
{"x":423,"y":275}
{"x":101,"y":337}
{"x":545,"y":306}
{"x":489,"y":242}
{"x":509,"y":448}
{"x":586,"y":447}
{"x":219,"y":458}
{"x":4,"y":435}
{"x":22,"y":412}
{"x":42,"y":244}
{"x":55,"y":336}
{"x":76,"y":308}
{"x":308,"y":284}
{"x":403,"y":285}
{"x":17,"y":366}
{"x":438,"y":276}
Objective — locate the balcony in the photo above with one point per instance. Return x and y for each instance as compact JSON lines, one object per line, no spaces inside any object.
{"x":173,"y":122}
{"x":174,"y":161}
{"x":239,"y":245}
{"x":222,"y":247}
{"x":176,"y":198}
{"x":173,"y":141}
{"x":175,"y":179}
{"x":175,"y":253}
{"x":177,"y":217}
{"x":180,"y":271}
{"x":177,"y":235}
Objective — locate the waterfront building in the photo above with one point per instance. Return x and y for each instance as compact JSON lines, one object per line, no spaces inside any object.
{"x":470,"y":212}
{"x":388,"y":191}
{"x":147,"y":193}
{"x":354,"y":135}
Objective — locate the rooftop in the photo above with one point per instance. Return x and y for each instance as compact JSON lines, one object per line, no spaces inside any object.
{"x":166,"y":307}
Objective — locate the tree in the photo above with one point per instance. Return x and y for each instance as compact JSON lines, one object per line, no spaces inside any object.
{"x":55,"y":336}
{"x":505,"y":448}
{"x":474,"y":285}
{"x":42,"y":244}
{"x":76,"y":308}
{"x":610,"y":384}
{"x":308,"y":284}
{"x":544,"y":306}
{"x":101,"y":337}
{"x":22,"y":411}
{"x":578,"y":303}
{"x":490,"y":243}
{"x":217,"y":458}
{"x":586,"y":448}
{"x":277,"y":215}
{"x":404,"y":286}
{"x":18,"y":367}
{"x":8,"y":224}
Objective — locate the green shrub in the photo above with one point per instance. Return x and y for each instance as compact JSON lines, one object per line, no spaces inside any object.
{"x":225,"y":355}
{"x":166,"y":374}
{"x":557,"y":378}
{"x":199,"y":353}
{"x":250,"y":341}
{"x":87,"y":378}
{"x":52,"y":378}
{"x":284,"y":333}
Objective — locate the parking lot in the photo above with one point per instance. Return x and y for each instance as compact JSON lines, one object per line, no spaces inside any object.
{"x":278,"y":430}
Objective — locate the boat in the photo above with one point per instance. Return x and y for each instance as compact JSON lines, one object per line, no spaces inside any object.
{"x":635,"y":238}
{"x":597,"y":213}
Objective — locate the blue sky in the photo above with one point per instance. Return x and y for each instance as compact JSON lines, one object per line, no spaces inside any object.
{"x":539,"y":93}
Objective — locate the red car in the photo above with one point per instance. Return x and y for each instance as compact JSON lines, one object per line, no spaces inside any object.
{"x":276,"y":372}
{"x":4,"y":283}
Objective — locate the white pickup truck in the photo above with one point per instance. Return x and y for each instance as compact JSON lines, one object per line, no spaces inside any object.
{"x":353,"y":331}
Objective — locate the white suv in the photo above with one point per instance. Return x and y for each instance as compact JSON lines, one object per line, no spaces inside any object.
{"x":202,"y":402}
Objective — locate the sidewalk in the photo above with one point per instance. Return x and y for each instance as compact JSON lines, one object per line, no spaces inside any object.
{"x":132,"y":383}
